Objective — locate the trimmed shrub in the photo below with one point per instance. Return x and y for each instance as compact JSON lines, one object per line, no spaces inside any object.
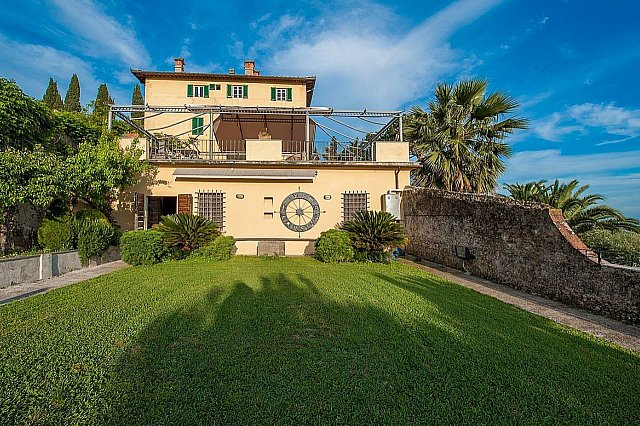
{"x":142,"y":247}
{"x":94,"y":237}
{"x":90,"y":214}
{"x":220,"y":249}
{"x":334,"y":246}
{"x":187,"y":232}
{"x":373,"y":256}
{"x":56,"y":234}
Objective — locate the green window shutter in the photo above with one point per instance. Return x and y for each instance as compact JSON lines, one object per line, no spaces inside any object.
{"x":206,"y":91}
{"x":273,"y":93}
{"x":194,"y":126}
{"x":212,"y":86}
{"x":201,"y":125}
{"x":289,"y":93}
{"x":245,"y":92}
{"x":190,"y":90}
{"x":228,"y":90}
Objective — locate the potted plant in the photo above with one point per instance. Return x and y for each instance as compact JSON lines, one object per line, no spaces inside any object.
{"x":264,"y":135}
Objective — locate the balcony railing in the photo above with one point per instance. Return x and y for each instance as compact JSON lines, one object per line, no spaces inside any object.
{"x":236,"y":150}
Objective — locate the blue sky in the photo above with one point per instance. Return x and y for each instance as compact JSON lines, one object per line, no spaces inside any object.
{"x":572,"y":64}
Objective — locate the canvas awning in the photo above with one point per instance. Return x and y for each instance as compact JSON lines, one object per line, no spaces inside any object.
{"x":248,"y":174}
{"x":230,"y":126}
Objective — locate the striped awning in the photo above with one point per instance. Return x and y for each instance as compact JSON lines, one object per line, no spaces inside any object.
{"x":246,"y":174}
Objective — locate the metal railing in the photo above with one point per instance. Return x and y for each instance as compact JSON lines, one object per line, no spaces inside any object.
{"x":613,"y":257}
{"x":195,"y":149}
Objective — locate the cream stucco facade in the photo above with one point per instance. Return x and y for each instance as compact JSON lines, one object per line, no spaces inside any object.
{"x":261,"y":194}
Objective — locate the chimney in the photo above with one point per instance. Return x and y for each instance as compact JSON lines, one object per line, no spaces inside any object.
{"x":232,"y":71}
{"x":178,"y":65}
{"x":249,"y":67}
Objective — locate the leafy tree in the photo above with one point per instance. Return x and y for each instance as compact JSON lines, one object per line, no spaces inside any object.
{"x":99,"y":171}
{"x":24,"y":121}
{"x":137,"y":99}
{"x":460,"y":139}
{"x":72,"y":98}
{"x":582,"y":211}
{"x":101,"y":105}
{"x":187,"y":232}
{"x":52,"y":97}
{"x":70,"y":130}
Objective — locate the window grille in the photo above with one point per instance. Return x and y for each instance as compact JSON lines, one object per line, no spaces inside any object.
{"x":354,"y":201}
{"x":211,"y":206}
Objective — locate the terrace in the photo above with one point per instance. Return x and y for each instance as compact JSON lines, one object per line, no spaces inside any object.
{"x":204,"y":133}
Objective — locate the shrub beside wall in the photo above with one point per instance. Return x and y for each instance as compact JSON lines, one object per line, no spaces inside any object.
{"x":334,"y":246}
{"x":94,"y":237}
{"x":56,"y":234}
{"x":221,"y":248}
{"x":143,"y":247}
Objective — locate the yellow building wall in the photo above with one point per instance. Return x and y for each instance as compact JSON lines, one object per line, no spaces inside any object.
{"x":174,"y":93}
{"x":257,"y":215}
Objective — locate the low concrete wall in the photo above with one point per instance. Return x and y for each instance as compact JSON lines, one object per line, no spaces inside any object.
{"x":523,"y":245}
{"x":27,"y":269}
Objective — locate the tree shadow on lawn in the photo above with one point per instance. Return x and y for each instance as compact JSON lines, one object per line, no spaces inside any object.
{"x":283,"y":352}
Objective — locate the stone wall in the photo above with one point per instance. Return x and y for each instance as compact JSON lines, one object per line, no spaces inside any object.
{"x":523,"y":245}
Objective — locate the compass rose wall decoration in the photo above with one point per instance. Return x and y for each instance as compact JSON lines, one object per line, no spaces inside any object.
{"x":299,"y":212}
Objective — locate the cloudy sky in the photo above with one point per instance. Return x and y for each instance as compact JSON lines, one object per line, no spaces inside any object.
{"x":573,"y":64}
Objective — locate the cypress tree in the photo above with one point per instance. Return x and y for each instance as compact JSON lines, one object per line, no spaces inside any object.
{"x":101,"y":104}
{"x":137,"y":99}
{"x":72,"y":98}
{"x":52,"y":96}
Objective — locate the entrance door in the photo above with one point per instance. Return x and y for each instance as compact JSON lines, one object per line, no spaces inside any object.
{"x":158,"y":207}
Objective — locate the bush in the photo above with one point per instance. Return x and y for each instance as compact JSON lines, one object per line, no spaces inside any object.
{"x":374,"y":235}
{"x":90,"y":214}
{"x":142,"y":247}
{"x":625,"y":245}
{"x":220,"y":249}
{"x":94,"y":237}
{"x":334,"y":246}
{"x":56,"y":234}
{"x":187,"y":232}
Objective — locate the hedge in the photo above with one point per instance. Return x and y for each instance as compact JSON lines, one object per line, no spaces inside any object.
{"x":334,"y":246}
{"x":143,"y":247}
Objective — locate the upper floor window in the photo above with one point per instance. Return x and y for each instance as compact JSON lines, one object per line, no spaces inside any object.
{"x":237,"y":91}
{"x":214,"y":86}
{"x":198,"y":90}
{"x":281,"y":93}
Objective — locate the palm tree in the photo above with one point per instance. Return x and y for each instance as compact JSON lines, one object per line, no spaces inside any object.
{"x":374,"y":231}
{"x":186,"y":232}
{"x":582,"y":212}
{"x":460,"y":140}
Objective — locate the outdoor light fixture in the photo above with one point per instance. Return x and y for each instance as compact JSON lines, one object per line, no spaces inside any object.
{"x":327,"y":197}
{"x":239,"y":196}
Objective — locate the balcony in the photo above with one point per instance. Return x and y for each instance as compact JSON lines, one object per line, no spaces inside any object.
{"x":198,"y":150}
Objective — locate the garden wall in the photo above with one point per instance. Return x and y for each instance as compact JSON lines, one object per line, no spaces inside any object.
{"x":523,"y":245}
{"x":25,"y":269}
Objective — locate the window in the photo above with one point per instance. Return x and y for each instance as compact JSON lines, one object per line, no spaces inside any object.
{"x":237,"y":91}
{"x":211,"y":206}
{"x":214,"y":86}
{"x":281,"y":93}
{"x":197,"y":91}
{"x":354,"y":202}
{"x":197,"y":125}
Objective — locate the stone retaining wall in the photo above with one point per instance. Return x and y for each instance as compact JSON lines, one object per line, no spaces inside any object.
{"x":28,"y":269}
{"x":523,"y":245}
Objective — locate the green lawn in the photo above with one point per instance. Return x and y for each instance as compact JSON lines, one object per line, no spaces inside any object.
{"x":294,"y":340}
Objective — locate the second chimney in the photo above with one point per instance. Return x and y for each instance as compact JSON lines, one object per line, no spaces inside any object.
{"x":232,"y":71}
{"x":249,"y":67}
{"x":178,"y":65}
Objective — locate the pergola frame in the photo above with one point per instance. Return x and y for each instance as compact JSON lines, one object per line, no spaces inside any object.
{"x":121,"y":111}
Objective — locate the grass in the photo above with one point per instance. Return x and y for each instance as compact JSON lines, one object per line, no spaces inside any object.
{"x":259,"y":340}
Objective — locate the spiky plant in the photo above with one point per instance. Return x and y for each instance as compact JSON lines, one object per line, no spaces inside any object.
{"x":373,"y":231}
{"x":187,"y":232}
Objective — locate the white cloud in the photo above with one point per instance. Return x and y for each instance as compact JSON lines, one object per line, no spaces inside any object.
{"x":580,"y":118}
{"x":31,"y":65}
{"x":613,"y":174}
{"x":100,"y":35}
{"x":361,"y":57}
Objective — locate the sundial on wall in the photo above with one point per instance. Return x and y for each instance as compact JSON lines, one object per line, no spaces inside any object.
{"x":299,"y":211}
